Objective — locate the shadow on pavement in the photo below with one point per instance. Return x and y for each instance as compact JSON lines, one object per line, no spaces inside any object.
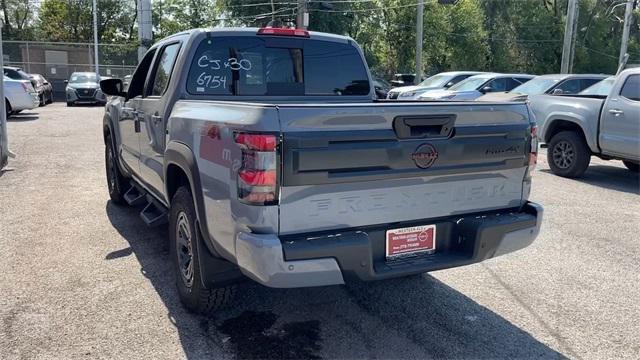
{"x":609,"y":177}
{"x":434,"y":318}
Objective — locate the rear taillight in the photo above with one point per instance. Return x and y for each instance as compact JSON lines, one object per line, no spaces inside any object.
{"x":258,"y":176}
{"x":533,"y":151}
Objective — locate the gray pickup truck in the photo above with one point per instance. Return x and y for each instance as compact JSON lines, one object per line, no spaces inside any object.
{"x":576,"y":127}
{"x":267,"y":154}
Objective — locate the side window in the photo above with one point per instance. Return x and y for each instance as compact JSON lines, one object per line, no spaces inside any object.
{"x":631,"y":88}
{"x":570,"y":86}
{"x":164,"y":66}
{"x":136,"y":87}
{"x":497,"y":85}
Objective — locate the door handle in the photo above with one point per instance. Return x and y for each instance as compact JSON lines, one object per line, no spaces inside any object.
{"x":616,"y":112}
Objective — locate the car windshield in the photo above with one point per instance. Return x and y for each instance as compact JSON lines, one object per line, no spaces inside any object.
{"x":471,"y":83}
{"x":602,"y":88}
{"x":536,"y":86}
{"x":83,"y":78}
{"x":436,"y":80}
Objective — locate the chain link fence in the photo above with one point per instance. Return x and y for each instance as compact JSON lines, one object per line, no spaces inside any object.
{"x":56,"y":61}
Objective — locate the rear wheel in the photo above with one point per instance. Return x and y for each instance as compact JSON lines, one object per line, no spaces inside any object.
{"x":633,"y":166}
{"x":184,"y":236}
{"x":116,"y":182}
{"x":69,"y":103}
{"x":568,"y":155}
{"x":41,"y":99}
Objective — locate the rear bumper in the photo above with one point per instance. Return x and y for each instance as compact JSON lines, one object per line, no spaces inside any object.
{"x":335,"y":257}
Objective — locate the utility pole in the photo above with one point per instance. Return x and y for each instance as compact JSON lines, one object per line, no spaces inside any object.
{"x":569,"y":44}
{"x":95,"y":39}
{"x":4,"y":147}
{"x":145,"y":34}
{"x":419,"y":30}
{"x":628,"y":16}
{"x":302,"y":16}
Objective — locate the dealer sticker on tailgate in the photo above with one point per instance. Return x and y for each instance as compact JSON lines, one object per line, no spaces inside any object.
{"x":410,"y":241}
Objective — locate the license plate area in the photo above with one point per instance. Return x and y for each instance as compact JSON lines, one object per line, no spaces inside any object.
{"x":410,"y":241}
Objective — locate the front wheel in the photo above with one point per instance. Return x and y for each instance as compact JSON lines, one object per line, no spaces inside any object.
{"x":116,"y":182}
{"x":568,"y":155}
{"x":184,"y":236}
{"x":633,"y":166}
{"x":69,"y":103}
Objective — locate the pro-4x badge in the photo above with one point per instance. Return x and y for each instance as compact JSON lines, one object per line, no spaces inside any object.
{"x":424,"y":156}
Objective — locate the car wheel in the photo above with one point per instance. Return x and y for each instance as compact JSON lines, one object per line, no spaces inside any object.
{"x":633,"y":166}
{"x":69,"y":103}
{"x":568,"y":155}
{"x":50,"y":101}
{"x":116,"y":182}
{"x":184,"y":238}
{"x":41,"y":99}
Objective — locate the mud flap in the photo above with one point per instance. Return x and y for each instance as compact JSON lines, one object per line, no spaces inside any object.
{"x":215,"y":272}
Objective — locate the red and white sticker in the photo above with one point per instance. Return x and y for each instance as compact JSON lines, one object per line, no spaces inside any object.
{"x":411,"y":240}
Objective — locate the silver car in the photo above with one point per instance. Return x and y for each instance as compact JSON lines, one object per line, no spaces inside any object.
{"x":442,"y":80}
{"x":478,"y":85}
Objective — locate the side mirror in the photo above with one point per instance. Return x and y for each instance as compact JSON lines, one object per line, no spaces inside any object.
{"x":449,"y":84}
{"x":112,"y":87}
{"x":557,"y":92}
{"x":66,"y":81}
{"x":486,"y":89}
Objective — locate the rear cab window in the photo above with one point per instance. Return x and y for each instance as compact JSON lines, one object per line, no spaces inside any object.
{"x":272,"y":66}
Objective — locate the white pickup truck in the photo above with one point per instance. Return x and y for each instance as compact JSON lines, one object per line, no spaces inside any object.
{"x":578,"y":126}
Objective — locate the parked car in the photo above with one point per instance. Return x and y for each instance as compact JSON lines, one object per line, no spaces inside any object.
{"x":553,"y":84}
{"x":579,"y":126}
{"x":19,"y":95}
{"x":44,"y":89}
{"x":442,"y":80}
{"x":402,"y":80}
{"x":475,"y":86}
{"x":84,"y":88}
{"x":602,"y":88}
{"x":17,"y":73}
{"x":307,"y":181}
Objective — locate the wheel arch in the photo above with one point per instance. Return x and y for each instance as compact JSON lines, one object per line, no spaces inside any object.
{"x":557,"y":125}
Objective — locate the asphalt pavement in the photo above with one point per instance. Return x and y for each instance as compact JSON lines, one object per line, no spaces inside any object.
{"x":83,"y":278}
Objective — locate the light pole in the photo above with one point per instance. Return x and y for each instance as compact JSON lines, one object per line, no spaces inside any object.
{"x":628,"y":16}
{"x":419,"y":30}
{"x":95,"y":38}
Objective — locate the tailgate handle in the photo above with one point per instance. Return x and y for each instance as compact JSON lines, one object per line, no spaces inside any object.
{"x":424,"y":126}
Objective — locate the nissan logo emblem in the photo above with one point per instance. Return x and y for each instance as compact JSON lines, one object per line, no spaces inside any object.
{"x":424,"y":156}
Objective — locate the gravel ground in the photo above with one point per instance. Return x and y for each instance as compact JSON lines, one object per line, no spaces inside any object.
{"x":82,"y":278}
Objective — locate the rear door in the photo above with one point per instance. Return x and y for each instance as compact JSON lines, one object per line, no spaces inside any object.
{"x":346,"y":166}
{"x":152,"y":115}
{"x":620,"y":124}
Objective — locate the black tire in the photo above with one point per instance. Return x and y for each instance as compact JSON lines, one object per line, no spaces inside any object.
{"x":633,"y":166}
{"x":69,"y":103}
{"x":7,"y":108}
{"x":50,"y":100}
{"x":568,"y":154}
{"x":184,"y":239}
{"x":116,"y":182}
{"x":41,"y":100}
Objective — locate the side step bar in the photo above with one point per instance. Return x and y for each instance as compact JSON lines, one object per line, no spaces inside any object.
{"x":153,"y":213}
{"x":135,"y":195}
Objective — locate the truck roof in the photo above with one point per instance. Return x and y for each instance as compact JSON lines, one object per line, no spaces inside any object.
{"x":251,"y":31}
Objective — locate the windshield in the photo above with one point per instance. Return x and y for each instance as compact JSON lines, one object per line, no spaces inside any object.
{"x":603,"y":88}
{"x":536,"y":86}
{"x":435,"y":80}
{"x":83,"y":78}
{"x":469,"y":84}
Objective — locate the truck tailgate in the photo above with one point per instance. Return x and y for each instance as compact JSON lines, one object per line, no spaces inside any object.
{"x":351,"y":165}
